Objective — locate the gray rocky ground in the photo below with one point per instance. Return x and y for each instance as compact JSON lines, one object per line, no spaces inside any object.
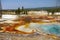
{"x":35,"y":36}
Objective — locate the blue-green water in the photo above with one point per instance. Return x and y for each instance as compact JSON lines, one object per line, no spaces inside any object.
{"x":49,"y":28}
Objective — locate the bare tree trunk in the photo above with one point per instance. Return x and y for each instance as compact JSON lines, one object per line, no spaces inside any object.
{"x":52,"y":13}
{"x":48,"y":13}
{"x":0,"y":9}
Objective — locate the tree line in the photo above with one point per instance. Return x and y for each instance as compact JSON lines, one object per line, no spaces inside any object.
{"x":24,"y":11}
{"x":18,"y":11}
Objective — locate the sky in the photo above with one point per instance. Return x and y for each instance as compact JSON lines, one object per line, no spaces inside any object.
{"x":14,"y":4}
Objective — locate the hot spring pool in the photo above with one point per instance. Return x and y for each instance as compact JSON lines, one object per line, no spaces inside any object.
{"x":49,"y":28}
